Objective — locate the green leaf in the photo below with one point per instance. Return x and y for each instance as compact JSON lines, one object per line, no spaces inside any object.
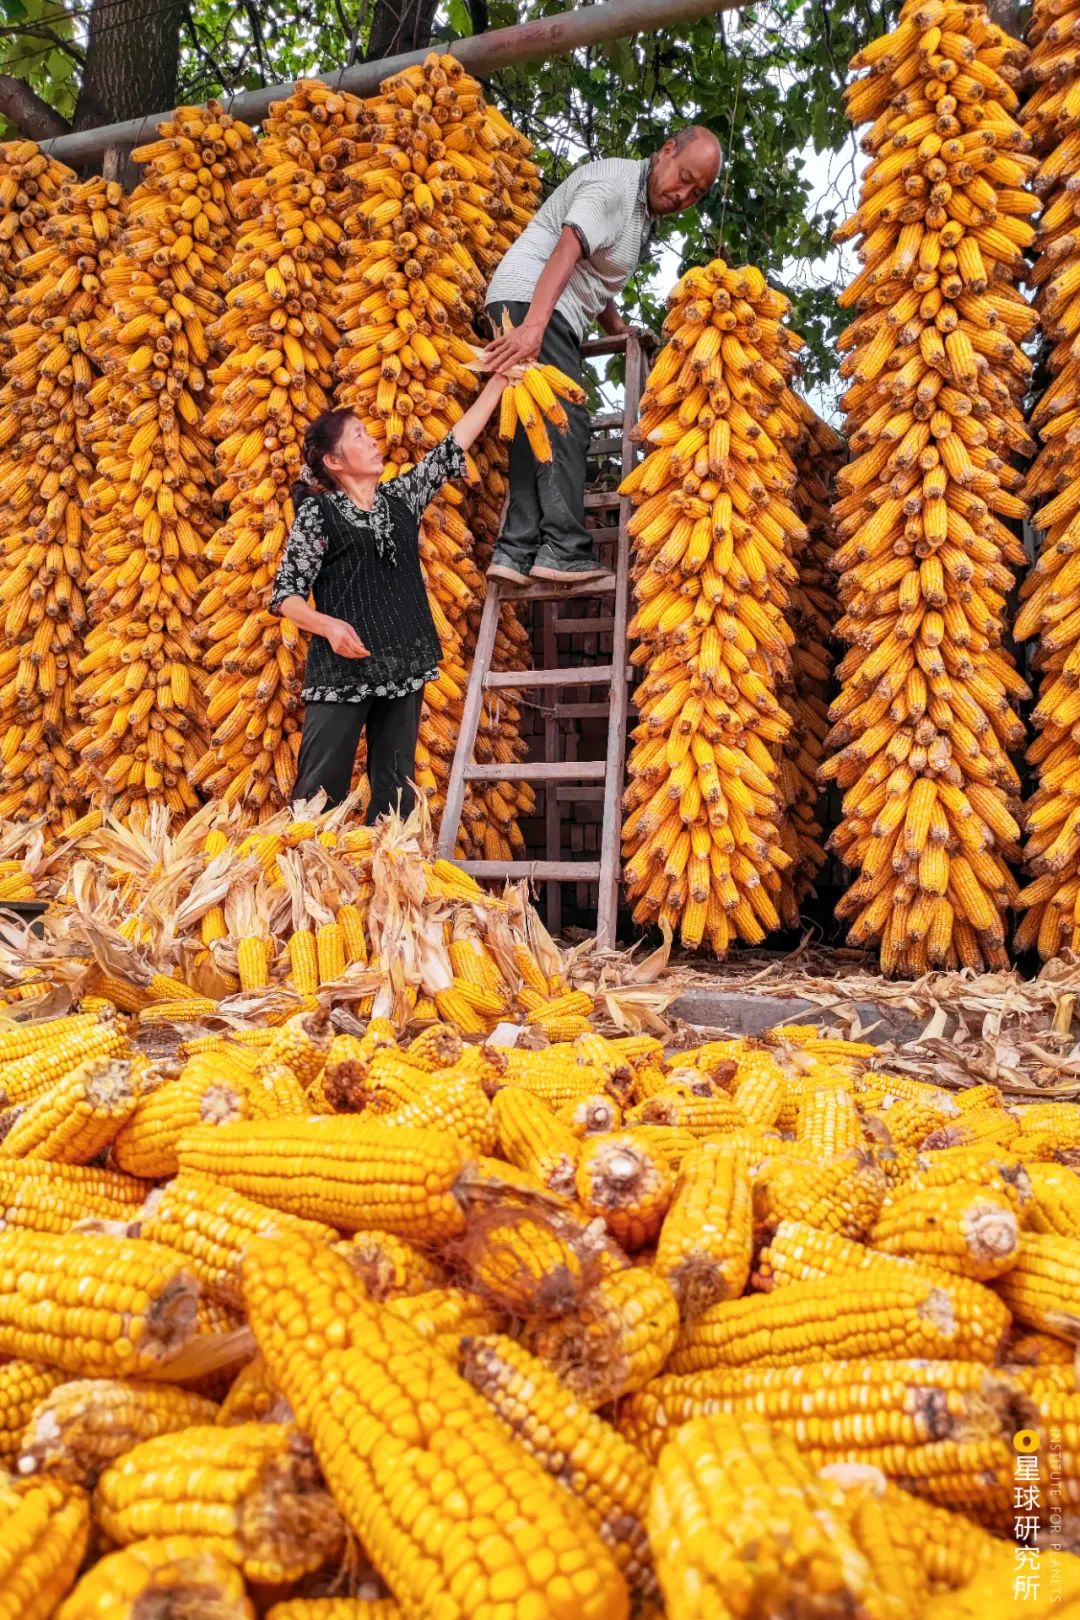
{"x":460,"y":20}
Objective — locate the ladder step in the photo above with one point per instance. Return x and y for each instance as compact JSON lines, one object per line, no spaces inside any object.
{"x":592,"y":675}
{"x":570,"y":770}
{"x":546,"y":591}
{"x":585,"y":627}
{"x":579,"y":795}
{"x":582,"y":711}
{"x":602,"y":498}
{"x":551,"y":871}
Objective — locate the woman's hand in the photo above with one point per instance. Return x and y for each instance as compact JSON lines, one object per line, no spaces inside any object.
{"x":343,"y":638}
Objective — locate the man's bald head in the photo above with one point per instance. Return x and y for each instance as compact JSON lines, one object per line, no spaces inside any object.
{"x":683,"y":170}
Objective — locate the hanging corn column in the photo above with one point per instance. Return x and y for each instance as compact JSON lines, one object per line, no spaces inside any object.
{"x":924,"y":723}
{"x":713,"y":537}
{"x":1049,"y":612}
{"x":141,"y":694}
{"x":46,"y":473}
{"x":812,"y":615}
{"x":278,"y":342}
{"x":444,"y":188}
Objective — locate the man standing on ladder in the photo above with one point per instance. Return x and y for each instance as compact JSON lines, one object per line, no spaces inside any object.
{"x":579,"y":251}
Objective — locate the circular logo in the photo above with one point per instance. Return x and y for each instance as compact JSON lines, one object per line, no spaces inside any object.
{"x":1026,"y":1440}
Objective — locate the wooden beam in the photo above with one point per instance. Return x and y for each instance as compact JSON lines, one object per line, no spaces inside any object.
{"x":482,"y":54}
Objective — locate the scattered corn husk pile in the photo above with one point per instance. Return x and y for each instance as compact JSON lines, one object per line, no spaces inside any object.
{"x":206,"y":922}
{"x":713,"y":536}
{"x":925,"y":720}
{"x":638,"y":1306}
{"x":443,"y":185}
{"x":1052,"y":853}
{"x":142,"y":688}
{"x":54,"y":304}
{"x":813,"y":612}
{"x":278,"y":342}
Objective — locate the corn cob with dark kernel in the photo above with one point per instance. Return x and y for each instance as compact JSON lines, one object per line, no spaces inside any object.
{"x":252,"y":1490}
{"x":343,"y":1379}
{"x":625,"y":1185}
{"x":620,"y":1337}
{"x":76,"y":1430}
{"x":168,"y":1574}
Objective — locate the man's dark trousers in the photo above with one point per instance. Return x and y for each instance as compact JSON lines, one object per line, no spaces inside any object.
{"x":545,"y":516}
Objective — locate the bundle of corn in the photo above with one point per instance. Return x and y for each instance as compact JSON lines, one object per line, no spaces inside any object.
{"x":1051,"y":121}
{"x":279,"y":343}
{"x":924,"y":723}
{"x":446,"y":187}
{"x":713,"y":536}
{"x":141,"y":692}
{"x":45,"y":480}
{"x":812,"y":615}
{"x":30,"y":186}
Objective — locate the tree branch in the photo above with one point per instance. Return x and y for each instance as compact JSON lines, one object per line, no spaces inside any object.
{"x":24,"y":108}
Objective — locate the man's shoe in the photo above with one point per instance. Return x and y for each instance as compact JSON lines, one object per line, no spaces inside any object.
{"x":570,"y":575}
{"x":507,"y":573}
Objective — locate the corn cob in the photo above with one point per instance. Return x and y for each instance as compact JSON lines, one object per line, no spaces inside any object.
{"x":841,"y":1410}
{"x":389,"y":1266}
{"x":530,"y":1137}
{"x":77,"y":1118}
{"x":991,"y":1167}
{"x":75,"y":1431}
{"x":548,"y":1560}
{"x":22,"y":1385}
{"x":26,"y":1078}
{"x":251,"y":1398}
{"x":1042,"y":1287}
{"x":93,"y":1305}
{"x":926,"y":715}
{"x":201,"y":1094}
{"x":867,"y":1313}
{"x":40,"y":1195}
{"x":589,"y":1458}
{"x":842,"y":1195}
{"x":965,"y":1230}
{"x":457,"y":1106}
{"x":713,"y":532}
{"x":702,"y":1116}
{"x":169,"y":1573}
{"x":593,"y":1115}
{"x":1055,"y":1200}
{"x":828,"y":1122}
{"x":626,"y":1185}
{"x":616,"y":1342}
{"x":150,"y":500}
{"x":531,"y":1263}
{"x":335,"y":1608}
{"x":252,"y":1492}
{"x":444,"y":1316}
{"x":996,"y":1577}
{"x":345,"y":1172}
{"x":706,"y":1241}
{"x":46,"y":467}
{"x":43,"y":1533}
{"x":209,"y":1225}
{"x":1046,"y":1129}
{"x":302,"y":1044}
{"x":739,"y":1521}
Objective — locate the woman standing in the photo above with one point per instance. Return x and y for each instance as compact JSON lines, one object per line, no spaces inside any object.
{"x":355,"y":547}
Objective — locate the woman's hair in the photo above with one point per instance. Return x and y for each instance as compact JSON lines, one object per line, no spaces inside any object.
{"x":321,"y":440}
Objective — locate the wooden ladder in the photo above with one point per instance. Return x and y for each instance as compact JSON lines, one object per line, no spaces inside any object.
{"x":611,"y":513}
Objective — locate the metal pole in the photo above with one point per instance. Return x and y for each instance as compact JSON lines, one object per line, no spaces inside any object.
{"x":481,"y":54}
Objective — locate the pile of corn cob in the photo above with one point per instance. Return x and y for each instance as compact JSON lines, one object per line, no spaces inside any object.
{"x":713,"y":534}
{"x":1052,"y":121}
{"x":386,"y":1326}
{"x":46,"y":467}
{"x":206,"y":922}
{"x":925,"y":719}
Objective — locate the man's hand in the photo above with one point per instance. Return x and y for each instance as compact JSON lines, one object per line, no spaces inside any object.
{"x":518,"y":347}
{"x":343,"y":638}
